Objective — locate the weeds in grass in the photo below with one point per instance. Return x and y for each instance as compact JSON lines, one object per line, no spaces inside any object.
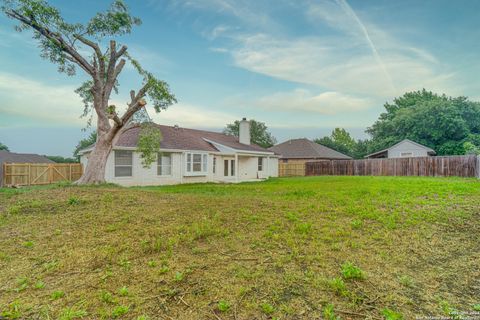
{"x":338,"y":286}
{"x":73,"y":201}
{"x":74,"y":312}
{"x":389,"y":314}
{"x":406,"y":281}
{"x":12,"y":311}
{"x":39,"y":284}
{"x":22,"y":284}
{"x":351,"y":271}
{"x":28,"y":244}
{"x":292,"y":216}
{"x":143,"y":317}
{"x":450,"y":311}
{"x":123,"y":291}
{"x":164,"y":269}
{"x":152,"y":264}
{"x":356,"y":224}
{"x":119,"y":311}
{"x":107,"y":297}
{"x":329,"y":312}
{"x":267,"y":308}
{"x":476,"y":307}
{"x":57,"y":295}
{"x":304,"y":228}
{"x":179,"y":276}
{"x":223,"y":305}
{"x":14,"y":210}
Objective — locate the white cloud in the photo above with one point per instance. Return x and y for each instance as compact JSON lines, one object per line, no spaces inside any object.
{"x":45,"y":103}
{"x":340,"y":65}
{"x":34,"y":99}
{"x":192,"y":116}
{"x":329,"y":103}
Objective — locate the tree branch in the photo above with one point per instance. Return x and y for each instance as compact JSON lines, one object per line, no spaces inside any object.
{"x":98,"y":52}
{"x":56,"y":37}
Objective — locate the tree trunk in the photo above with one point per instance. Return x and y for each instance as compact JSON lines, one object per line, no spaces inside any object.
{"x":95,"y":171}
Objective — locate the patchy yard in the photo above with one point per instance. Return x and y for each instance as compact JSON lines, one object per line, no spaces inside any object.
{"x":354,"y":247}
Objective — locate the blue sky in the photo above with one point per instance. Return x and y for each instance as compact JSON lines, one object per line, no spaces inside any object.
{"x":302,"y":67}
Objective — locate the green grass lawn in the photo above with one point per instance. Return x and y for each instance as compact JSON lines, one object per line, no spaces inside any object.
{"x":293,"y":248}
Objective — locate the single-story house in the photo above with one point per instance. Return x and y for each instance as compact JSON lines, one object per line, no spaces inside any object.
{"x":404,"y":149}
{"x":188,"y":156}
{"x":12,"y":157}
{"x":303,"y":150}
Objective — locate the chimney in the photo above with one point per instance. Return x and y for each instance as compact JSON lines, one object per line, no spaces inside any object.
{"x":244,"y":131}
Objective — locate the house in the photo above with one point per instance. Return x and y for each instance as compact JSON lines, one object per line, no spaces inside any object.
{"x":188,"y":156}
{"x":11,"y":157}
{"x":404,"y":149}
{"x":303,"y":150}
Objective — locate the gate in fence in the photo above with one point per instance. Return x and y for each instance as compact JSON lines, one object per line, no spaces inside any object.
{"x":29,"y":174}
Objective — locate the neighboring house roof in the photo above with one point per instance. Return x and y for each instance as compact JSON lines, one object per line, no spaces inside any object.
{"x":306,"y":149}
{"x":7,"y":156}
{"x":177,"y":138}
{"x":429,"y":150}
{"x":11,"y":157}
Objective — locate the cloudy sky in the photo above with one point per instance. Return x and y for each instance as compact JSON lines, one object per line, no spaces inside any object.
{"x":301,"y":66}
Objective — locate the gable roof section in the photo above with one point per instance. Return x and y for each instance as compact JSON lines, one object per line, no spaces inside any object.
{"x":187,"y":139}
{"x":7,"y":156}
{"x":429,"y":150}
{"x":306,"y":149}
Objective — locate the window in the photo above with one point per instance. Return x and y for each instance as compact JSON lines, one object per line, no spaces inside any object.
{"x":225,"y":168}
{"x":260,"y":164}
{"x":197,"y":164}
{"x":214,"y":164}
{"x":406,"y":154}
{"x":123,"y":163}
{"x":164,"y":164}
{"x":232,"y":167}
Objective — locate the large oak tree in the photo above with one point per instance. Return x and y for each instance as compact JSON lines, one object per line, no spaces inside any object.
{"x":65,"y":44}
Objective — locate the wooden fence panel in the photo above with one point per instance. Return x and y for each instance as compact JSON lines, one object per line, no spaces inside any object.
{"x":28,"y":174}
{"x":291,"y":169}
{"x":459,"y":166}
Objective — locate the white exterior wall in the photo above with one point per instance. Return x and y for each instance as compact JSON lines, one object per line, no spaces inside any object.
{"x":247,"y":170}
{"x":406,"y":146}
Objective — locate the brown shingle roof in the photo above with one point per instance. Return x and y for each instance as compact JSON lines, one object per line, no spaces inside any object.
{"x":186,"y":139}
{"x":306,"y":149}
{"x":7,"y":156}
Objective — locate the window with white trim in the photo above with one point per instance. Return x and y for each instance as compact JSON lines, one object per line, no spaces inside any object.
{"x":196,"y":163}
{"x":214,"y":164}
{"x":260,"y":164}
{"x":164,"y":164}
{"x":123,"y":163}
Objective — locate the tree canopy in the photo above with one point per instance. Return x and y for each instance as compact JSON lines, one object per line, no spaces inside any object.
{"x":341,"y":141}
{"x":3,"y":147}
{"x":79,"y":45}
{"x":259,"y":133}
{"x":447,"y":125}
{"x":84,"y":143}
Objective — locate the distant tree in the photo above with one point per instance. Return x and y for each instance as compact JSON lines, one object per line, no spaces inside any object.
{"x":3,"y":147}
{"x":447,"y":125}
{"x":91,"y":47}
{"x":258,"y":133}
{"x":60,"y":159}
{"x":341,"y":141}
{"x":84,"y":143}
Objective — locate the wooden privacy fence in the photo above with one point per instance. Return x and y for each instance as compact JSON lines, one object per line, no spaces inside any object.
{"x":29,"y":174}
{"x":460,"y":166}
{"x":291,"y":169}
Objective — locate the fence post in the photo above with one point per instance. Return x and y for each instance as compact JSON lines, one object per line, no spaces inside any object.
{"x":28,"y":179}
